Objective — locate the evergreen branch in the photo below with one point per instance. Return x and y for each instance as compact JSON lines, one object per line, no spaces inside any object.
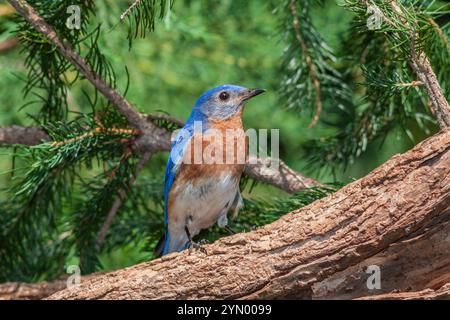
{"x":122,"y":105}
{"x":91,"y":213}
{"x":120,"y":199}
{"x":310,"y":78}
{"x":144,"y":15}
{"x":311,"y":68}
{"x":97,"y":131}
{"x":422,"y":67}
{"x":47,"y":68}
{"x":439,"y":32}
{"x":38,"y":198}
{"x":129,"y":9}
{"x":165,"y":118}
{"x":403,"y":32}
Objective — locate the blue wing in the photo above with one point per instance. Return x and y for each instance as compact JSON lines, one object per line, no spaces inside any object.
{"x":177,"y":151}
{"x":175,"y":157}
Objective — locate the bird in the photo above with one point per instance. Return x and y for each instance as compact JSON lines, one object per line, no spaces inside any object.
{"x":201,"y":184}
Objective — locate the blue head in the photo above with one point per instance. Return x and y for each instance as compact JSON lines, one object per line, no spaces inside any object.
{"x":224,"y":101}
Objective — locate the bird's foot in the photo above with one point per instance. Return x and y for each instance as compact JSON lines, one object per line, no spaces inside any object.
{"x":197,"y":246}
{"x":231,"y":231}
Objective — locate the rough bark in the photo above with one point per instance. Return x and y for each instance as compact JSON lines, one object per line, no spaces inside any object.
{"x":29,"y":291}
{"x":288,"y":258}
{"x":427,"y":294}
{"x":408,"y":266}
{"x":34,"y":291}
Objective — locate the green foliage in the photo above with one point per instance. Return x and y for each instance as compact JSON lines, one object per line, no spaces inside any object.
{"x":31,"y":220}
{"x":142,"y":15}
{"x":382,"y":96}
{"x":58,"y":194}
{"x":47,"y":68}
{"x":307,"y":58}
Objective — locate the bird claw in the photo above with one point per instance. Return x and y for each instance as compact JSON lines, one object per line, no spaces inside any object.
{"x":230,"y":231}
{"x":198,"y":246}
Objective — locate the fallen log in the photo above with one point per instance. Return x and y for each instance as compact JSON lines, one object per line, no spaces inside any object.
{"x":287,"y":258}
{"x":406,"y":268}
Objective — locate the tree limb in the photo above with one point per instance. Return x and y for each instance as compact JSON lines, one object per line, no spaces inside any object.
{"x":22,"y":135}
{"x":287,"y":258}
{"x":280,"y":176}
{"x":311,"y":68}
{"x":421,"y":65}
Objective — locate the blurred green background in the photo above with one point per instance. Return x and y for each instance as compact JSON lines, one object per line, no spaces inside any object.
{"x":200,"y":45}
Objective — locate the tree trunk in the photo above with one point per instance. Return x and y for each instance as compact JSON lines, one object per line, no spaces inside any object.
{"x":397,"y":217}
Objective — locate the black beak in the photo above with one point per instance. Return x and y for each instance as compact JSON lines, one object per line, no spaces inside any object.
{"x":252,"y":93}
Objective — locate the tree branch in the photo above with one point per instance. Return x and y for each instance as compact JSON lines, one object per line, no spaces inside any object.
{"x":441,"y":109}
{"x":127,"y":12}
{"x":421,"y":65}
{"x":22,"y":135}
{"x":281,"y":176}
{"x":119,"y":102}
{"x":287,"y":258}
{"x":312,"y":70}
{"x":35,"y":291}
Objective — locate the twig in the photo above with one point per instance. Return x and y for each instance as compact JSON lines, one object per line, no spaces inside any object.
{"x":414,"y":83}
{"x":164,"y":117}
{"x":311,"y":68}
{"x":130,"y":8}
{"x":439,"y":32}
{"x":120,"y":199}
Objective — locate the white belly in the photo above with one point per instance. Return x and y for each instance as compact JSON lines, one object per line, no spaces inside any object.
{"x":203,"y":203}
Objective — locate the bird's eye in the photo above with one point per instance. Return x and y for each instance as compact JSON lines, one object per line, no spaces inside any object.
{"x":224,"y":96}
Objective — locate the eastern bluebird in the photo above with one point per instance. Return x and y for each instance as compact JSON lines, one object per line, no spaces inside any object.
{"x":204,"y":168}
